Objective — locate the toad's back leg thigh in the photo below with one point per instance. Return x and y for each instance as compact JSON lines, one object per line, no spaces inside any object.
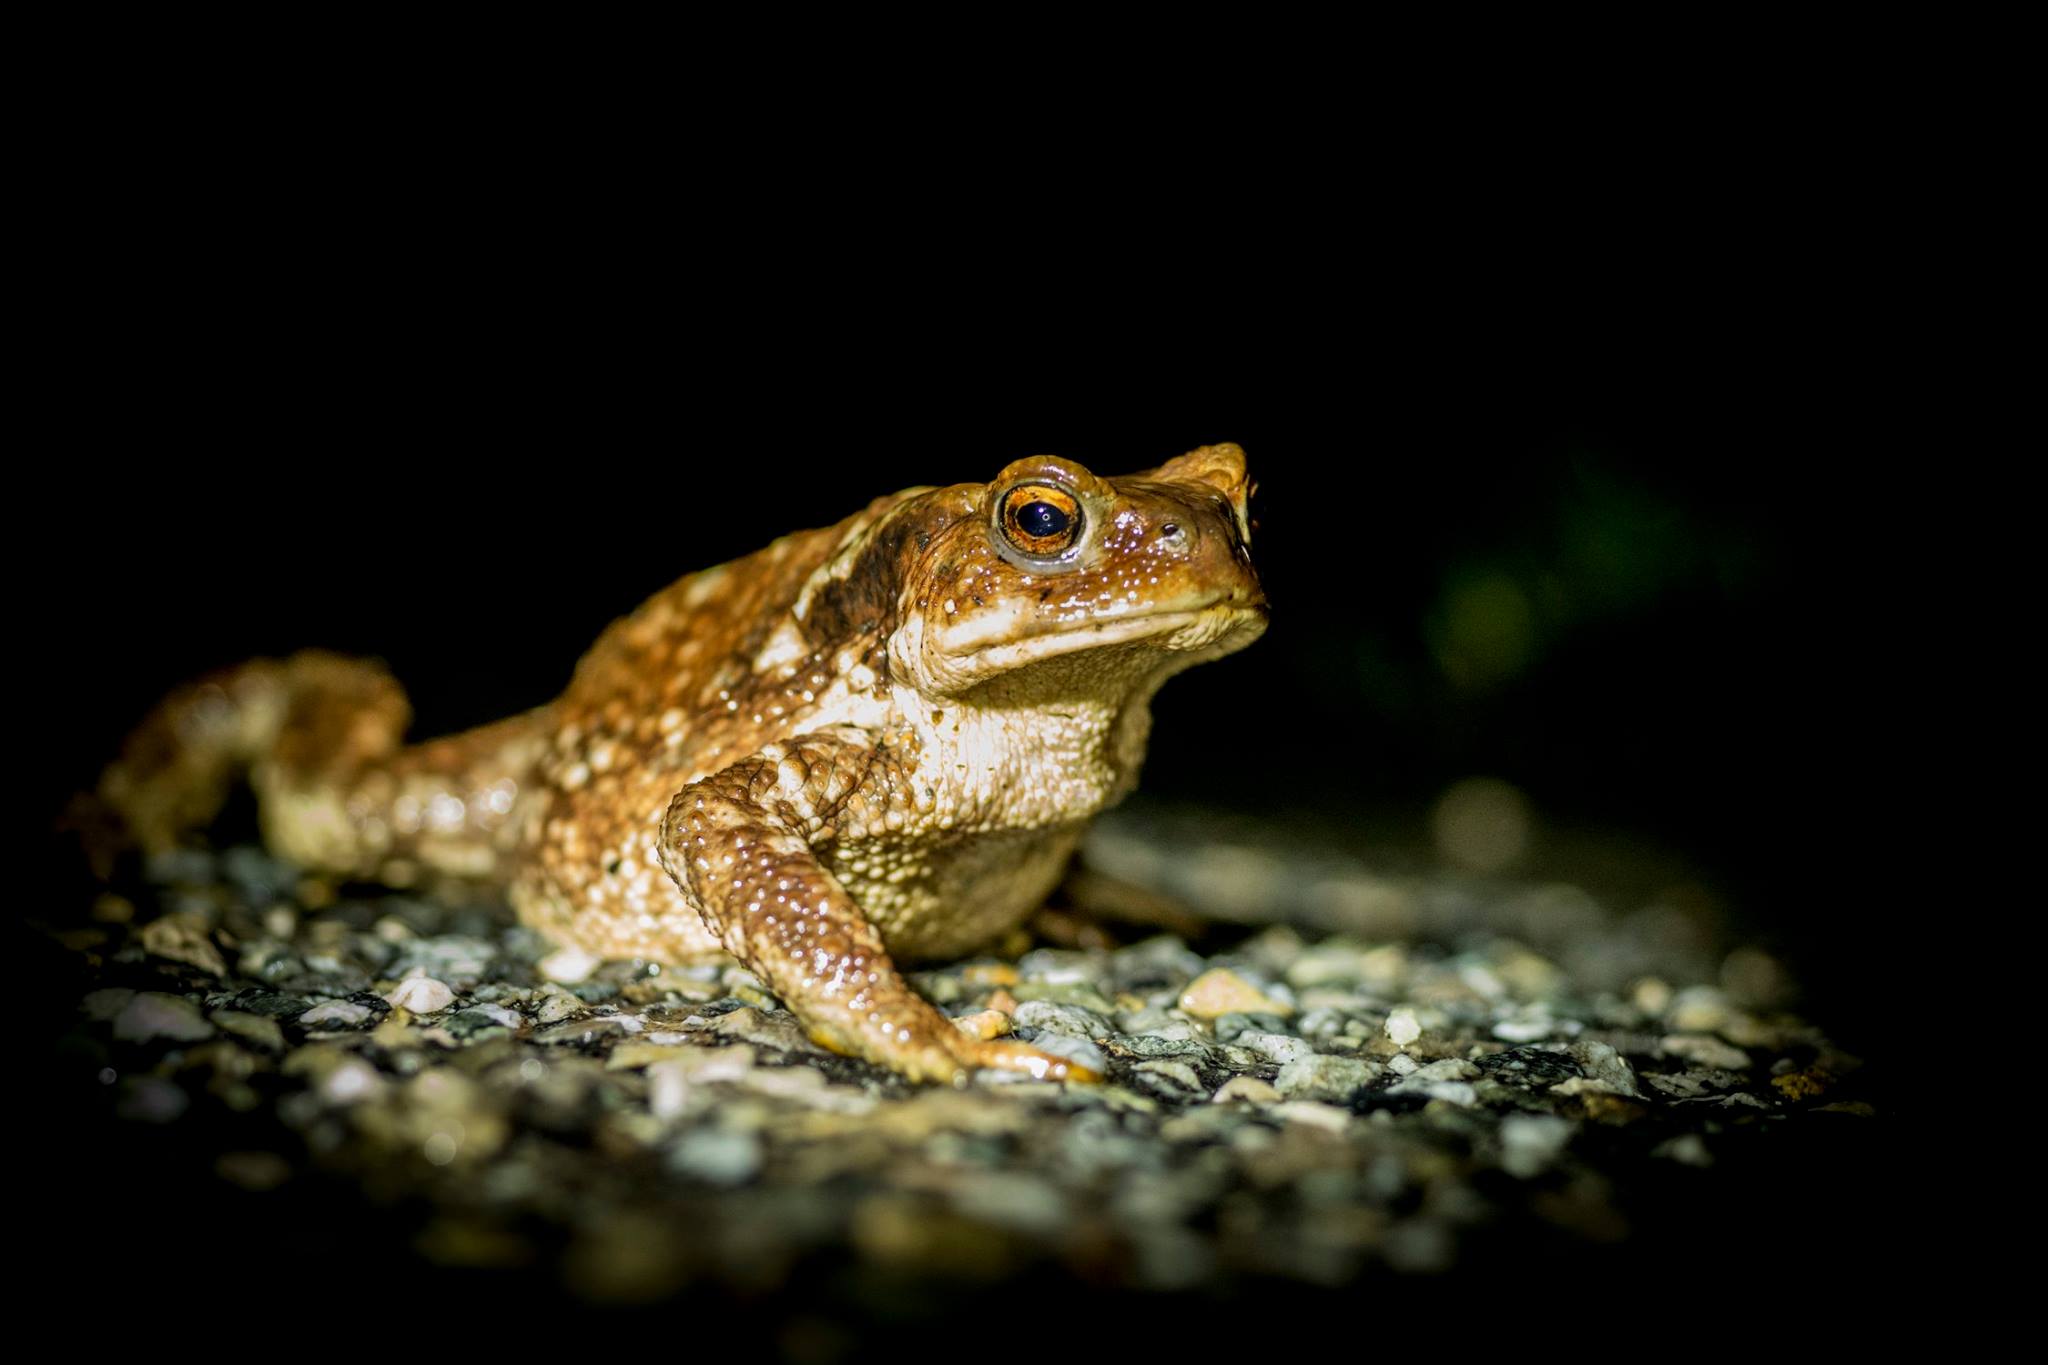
{"x":318,"y":735}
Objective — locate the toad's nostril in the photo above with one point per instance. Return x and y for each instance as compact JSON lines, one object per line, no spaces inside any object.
{"x":1171,"y":531}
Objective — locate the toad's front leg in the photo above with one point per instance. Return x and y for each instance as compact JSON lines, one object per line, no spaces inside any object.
{"x":739,"y":844}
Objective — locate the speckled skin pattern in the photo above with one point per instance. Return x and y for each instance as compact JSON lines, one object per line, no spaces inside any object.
{"x":873,"y":741}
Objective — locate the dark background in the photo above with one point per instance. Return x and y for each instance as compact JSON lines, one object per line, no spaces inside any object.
{"x":1570,"y":442}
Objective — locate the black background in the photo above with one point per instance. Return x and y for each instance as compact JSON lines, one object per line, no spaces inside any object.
{"x":427,"y":401}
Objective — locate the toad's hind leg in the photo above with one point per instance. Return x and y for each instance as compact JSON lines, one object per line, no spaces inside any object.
{"x":318,"y":736}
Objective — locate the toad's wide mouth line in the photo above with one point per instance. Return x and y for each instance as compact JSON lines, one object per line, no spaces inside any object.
{"x":1127,"y":626}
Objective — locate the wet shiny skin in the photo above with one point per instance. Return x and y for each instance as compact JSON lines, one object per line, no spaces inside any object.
{"x":873,"y":741}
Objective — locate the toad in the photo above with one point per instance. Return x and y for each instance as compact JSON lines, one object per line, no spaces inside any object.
{"x":871,"y":743}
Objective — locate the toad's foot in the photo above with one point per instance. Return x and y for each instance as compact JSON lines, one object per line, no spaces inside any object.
{"x":933,"y":1049}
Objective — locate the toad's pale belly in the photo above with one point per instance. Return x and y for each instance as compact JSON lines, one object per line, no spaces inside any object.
{"x":597,"y":882}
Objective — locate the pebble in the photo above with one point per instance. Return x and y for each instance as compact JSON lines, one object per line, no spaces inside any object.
{"x":350,"y":1082}
{"x":260,"y":1029}
{"x":421,"y":995}
{"x":454,"y":958}
{"x":1071,"y":1020}
{"x":1604,"y":1070}
{"x":1012,"y":1201}
{"x":568,"y":966}
{"x":1421,"y":1246}
{"x":1328,"y":1117}
{"x":717,"y":1156}
{"x":1174,"y":1030}
{"x":1530,"y":1143}
{"x":1705,"y":1049}
{"x":1180,"y":1075}
{"x":1276,"y":1047}
{"x":103,"y":1006}
{"x":672,"y":1081}
{"x":336,"y":1014}
{"x":153,"y":1014}
{"x":553,"y":1005}
{"x":1325,"y":1078}
{"x":1336,"y":962}
{"x":1221,"y":991}
{"x":1450,"y":1092}
{"x":777,"y":1029}
{"x":183,"y":938}
{"x":1688,"y":1149}
{"x":1448,"y":1069}
{"x":1528,"y":1029}
{"x":1246,"y":1088}
{"x":1697,"y":1009}
{"x":481,"y":1022}
{"x":589,"y":1028}
{"x":647,"y":1052}
{"x":1403,"y":1028}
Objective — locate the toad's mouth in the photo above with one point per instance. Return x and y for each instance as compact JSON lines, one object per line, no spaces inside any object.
{"x":1185,"y":625}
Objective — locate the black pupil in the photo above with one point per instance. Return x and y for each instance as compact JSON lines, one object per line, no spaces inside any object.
{"x":1041,"y":520}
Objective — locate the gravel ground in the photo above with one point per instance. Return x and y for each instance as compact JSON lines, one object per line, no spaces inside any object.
{"x":1341,"y":1076}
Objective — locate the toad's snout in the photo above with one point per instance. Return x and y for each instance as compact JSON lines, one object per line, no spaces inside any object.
{"x":1195,"y":547}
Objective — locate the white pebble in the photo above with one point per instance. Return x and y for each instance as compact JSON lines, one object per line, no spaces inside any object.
{"x":1316,"y":1115}
{"x":421,"y":995}
{"x":1524,"y":1030}
{"x":351,"y":1081}
{"x":1403,"y":1027}
{"x":343,"y":1013}
{"x":1245,"y":1088}
{"x":1531,"y":1142}
{"x":1705,"y":1049}
{"x":568,"y":965}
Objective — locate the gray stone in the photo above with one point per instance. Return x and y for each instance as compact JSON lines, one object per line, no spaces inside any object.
{"x":153,"y":1014}
{"x":337,"y":1014}
{"x":259,"y":1029}
{"x":716,"y":1156}
{"x":1325,"y":1078}
{"x":1605,"y":1067}
{"x":1276,"y":1047}
{"x":1071,"y":1020}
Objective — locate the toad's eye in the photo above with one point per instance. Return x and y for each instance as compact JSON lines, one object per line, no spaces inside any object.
{"x":1041,"y":522}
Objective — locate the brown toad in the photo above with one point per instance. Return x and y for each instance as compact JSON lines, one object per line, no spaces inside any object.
{"x":874,"y":741}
